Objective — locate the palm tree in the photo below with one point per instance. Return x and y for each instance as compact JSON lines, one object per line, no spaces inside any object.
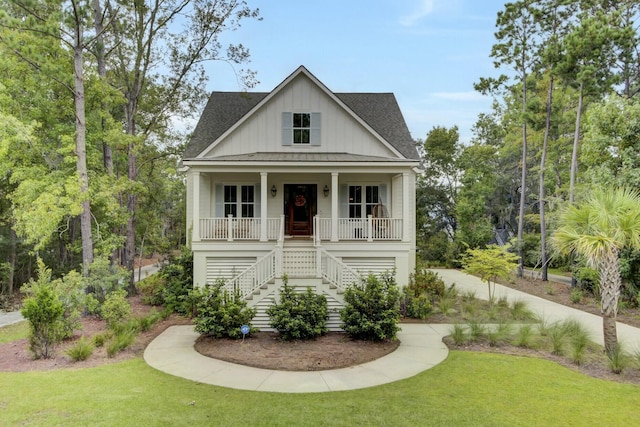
{"x":598,"y":229}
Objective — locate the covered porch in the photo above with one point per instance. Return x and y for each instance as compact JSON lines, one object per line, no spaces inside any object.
{"x":324,"y":207}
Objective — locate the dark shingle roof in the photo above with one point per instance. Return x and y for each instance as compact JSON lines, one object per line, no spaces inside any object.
{"x":378,"y":110}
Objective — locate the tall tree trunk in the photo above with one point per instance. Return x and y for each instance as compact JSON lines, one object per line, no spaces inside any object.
{"x":574,"y":169}
{"x":576,"y":141}
{"x":81,"y":153}
{"x":13,"y":239}
{"x":610,"y":284}
{"x":102,"y":72}
{"x":523,"y":179}
{"x":543,"y":160}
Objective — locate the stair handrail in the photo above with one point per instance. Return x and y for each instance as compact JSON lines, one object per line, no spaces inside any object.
{"x":254,"y":276}
{"x":337,"y":272}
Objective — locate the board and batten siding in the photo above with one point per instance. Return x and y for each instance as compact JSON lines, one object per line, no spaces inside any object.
{"x":340,"y":132}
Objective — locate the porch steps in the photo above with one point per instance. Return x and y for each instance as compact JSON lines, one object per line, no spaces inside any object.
{"x":267,"y":297}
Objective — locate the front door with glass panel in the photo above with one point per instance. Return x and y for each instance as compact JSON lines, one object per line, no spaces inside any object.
{"x":299,"y":208}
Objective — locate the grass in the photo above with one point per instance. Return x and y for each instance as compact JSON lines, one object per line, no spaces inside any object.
{"x":14,"y":332}
{"x":487,"y":389}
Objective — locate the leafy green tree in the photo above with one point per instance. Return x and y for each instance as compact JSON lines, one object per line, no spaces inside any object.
{"x":61,"y":22}
{"x":489,"y":264}
{"x":598,"y":229}
{"x":437,"y":192}
{"x":516,"y":44}
{"x":177,"y":36}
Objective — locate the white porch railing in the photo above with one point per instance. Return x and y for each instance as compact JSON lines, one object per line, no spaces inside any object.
{"x":336,"y":272}
{"x":231,"y":228}
{"x":368,"y":229}
{"x":251,"y":279}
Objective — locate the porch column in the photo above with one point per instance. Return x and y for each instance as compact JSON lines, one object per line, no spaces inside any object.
{"x":334,"y":206}
{"x":195,"y":226}
{"x":405,"y":207}
{"x":263,"y":206}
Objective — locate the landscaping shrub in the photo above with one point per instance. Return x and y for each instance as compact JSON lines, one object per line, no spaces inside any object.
{"x":70,"y":292}
{"x":588,"y":280}
{"x":151,"y":289}
{"x":178,"y":278}
{"x":81,"y":350}
{"x":372,"y":310}
{"x":104,"y":278}
{"x":418,"y":296}
{"x":299,"y":315}
{"x":45,"y":313}
{"x":115,"y":308}
{"x":220,"y":313}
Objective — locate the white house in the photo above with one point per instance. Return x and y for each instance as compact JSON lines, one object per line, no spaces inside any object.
{"x":303,"y":182}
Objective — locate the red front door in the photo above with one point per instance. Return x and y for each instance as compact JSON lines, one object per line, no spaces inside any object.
{"x":300,"y":205}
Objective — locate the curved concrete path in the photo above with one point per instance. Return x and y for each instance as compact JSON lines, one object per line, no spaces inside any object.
{"x":421,"y":348}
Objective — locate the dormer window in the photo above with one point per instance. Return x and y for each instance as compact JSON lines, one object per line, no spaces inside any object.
{"x":302,"y":129}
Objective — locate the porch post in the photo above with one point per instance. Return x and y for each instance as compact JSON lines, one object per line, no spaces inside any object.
{"x":263,"y":206}
{"x":334,"y":206}
{"x":195,"y":227}
{"x":405,"y":207}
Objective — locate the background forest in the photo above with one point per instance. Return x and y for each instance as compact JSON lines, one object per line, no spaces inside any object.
{"x":565,"y":120}
{"x":90,"y":92}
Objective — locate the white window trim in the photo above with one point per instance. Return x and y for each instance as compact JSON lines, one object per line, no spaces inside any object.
{"x":239,"y":203}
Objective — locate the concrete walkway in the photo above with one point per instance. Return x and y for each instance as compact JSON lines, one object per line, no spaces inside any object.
{"x":421,"y":348}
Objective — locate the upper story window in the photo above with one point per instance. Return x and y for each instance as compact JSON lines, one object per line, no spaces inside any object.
{"x":301,"y":129}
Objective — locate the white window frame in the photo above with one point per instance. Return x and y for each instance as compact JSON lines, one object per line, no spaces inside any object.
{"x":239,"y":202}
{"x":365,"y":207}
{"x":301,"y":133}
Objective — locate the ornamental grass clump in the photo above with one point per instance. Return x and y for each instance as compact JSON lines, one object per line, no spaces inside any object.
{"x":81,"y":350}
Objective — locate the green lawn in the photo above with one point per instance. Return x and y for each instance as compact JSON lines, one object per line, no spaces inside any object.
{"x":467,"y":389}
{"x":14,"y":332}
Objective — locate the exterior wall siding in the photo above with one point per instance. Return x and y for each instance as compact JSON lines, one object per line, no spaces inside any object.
{"x":340,"y":132}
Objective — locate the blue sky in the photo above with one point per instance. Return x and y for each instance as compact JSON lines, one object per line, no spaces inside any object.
{"x":427,"y":52}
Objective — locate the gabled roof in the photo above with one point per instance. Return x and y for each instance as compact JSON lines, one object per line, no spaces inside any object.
{"x":380,"y":111}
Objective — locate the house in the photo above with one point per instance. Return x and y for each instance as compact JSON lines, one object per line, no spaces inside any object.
{"x":303,"y":182}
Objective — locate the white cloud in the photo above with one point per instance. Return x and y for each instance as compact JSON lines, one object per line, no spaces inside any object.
{"x":460,"y":96}
{"x":424,"y":8}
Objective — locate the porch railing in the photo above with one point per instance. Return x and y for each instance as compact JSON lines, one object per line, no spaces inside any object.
{"x":336,"y":272}
{"x":251,"y":279}
{"x":367,"y":229}
{"x":360,"y":228}
{"x":231,"y":228}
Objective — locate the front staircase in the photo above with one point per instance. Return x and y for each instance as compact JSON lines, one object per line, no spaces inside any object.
{"x":305,"y":265}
